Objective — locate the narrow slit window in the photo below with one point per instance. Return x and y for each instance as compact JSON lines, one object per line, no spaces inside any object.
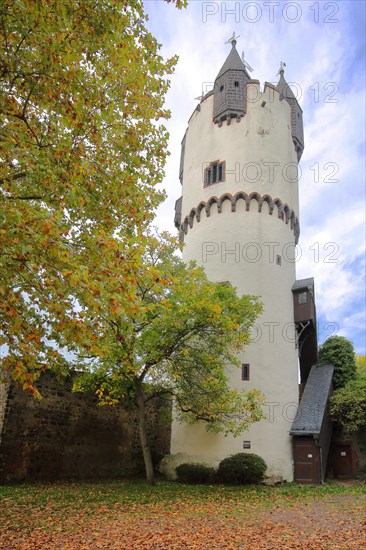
{"x":220,"y":172}
{"x":245,"y":371}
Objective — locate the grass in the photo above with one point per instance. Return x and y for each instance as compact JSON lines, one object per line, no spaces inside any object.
{"x":137,"y":492}
{"x":129,"y":514}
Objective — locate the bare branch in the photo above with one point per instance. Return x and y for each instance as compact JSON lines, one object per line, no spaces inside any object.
{"x":13,"y":177}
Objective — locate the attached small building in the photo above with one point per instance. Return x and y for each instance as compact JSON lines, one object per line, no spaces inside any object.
{"x":303,"y":292}
{"x":312,"y":427}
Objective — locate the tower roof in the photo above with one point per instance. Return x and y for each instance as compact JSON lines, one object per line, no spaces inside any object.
{"x":283,"y":87}
{"x":233,"y":62}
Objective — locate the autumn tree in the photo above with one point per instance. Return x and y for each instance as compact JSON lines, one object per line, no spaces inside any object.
{"x":82,"y":150}
{"x":176,"y":340}
{"x":339,"y":352}
{"x":81,"y":153}
{"x":348,"y":403}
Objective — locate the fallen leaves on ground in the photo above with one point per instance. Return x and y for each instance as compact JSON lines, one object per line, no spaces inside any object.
{"x":172,"y":516}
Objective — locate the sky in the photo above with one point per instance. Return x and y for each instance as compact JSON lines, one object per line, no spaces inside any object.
{"x":323,"y":46}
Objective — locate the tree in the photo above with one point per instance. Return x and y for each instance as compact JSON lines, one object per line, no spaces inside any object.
{"x":82,"y":91}
{"x":348,"y":404}
{"x":175,"y":341}
{"x":339,"y":352}
{"x":361,"y":365}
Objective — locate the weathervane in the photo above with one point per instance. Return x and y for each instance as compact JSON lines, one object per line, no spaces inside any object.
{"x":232,"y":40}
{"x":282,"y":68}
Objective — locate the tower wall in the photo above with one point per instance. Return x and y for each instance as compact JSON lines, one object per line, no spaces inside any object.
{"x":262,"y":137}
{"x":243,"y":230}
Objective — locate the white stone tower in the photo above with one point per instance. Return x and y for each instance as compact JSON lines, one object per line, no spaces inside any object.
{"x":238,"y":216}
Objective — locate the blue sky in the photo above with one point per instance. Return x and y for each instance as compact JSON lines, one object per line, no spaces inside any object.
{"x":322,"y":44}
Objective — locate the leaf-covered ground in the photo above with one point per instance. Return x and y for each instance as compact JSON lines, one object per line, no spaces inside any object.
{"x":128,"y":516}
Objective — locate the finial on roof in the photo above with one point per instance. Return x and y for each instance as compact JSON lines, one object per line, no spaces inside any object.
{"x":233,"y":60}
{"x":232,"y":40}
{"x":281,"y":70}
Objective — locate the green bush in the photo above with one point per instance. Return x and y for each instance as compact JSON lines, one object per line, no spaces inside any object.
{"x":241,"y":468}
{"x":338,"y":351}
{"x":195,"y":473}
{"x":348,"y":405}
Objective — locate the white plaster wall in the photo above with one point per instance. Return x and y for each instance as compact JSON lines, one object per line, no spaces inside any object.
{"x":241,"y":247}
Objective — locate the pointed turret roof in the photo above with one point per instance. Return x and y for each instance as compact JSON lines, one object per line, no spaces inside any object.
{"x":283,"y":87}
{"x":233,"y":62}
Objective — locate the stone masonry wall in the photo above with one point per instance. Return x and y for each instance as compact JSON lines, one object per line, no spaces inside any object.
{"x":66,"y":435}
{"x":4,"y":390}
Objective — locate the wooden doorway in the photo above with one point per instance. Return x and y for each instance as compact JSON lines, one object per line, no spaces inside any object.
{"x":344,"y":461}
{"x":306,"y":458}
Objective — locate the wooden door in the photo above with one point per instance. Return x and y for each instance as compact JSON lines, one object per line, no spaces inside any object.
{"x":343,"y":464}
{"x":306,"y":457}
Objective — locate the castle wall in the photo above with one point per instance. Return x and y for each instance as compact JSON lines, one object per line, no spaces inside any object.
{"x":4,"y":392}
{"x":67,"y":435}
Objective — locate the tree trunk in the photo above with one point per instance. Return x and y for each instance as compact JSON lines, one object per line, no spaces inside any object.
{"x":143,"y":436}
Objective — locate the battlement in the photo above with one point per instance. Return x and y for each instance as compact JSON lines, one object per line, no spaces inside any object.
{"x":252,"y":95}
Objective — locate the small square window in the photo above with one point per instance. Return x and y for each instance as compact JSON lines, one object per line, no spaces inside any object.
{"x":245,"y":371}
{"x":236,"y":84}
{"x":246,"y":444}
{"x":302,"y":298}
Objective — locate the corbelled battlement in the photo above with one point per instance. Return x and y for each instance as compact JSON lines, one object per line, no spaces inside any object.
{"x":284,"y":212}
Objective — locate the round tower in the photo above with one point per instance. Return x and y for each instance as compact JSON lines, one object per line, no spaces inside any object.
{"x":238,"y":217}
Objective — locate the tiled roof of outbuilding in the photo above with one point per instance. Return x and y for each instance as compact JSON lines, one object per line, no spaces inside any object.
{"x":313,"y":404}
{"x":303,"y":283}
